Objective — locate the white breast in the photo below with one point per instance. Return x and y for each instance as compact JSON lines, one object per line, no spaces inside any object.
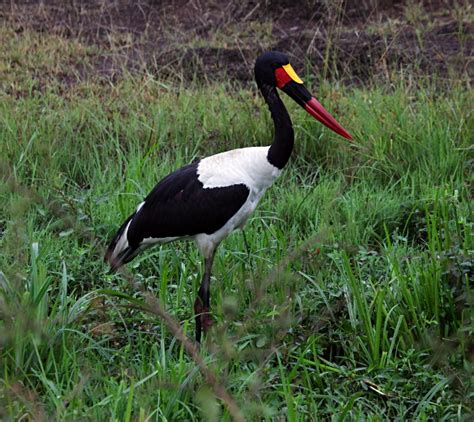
{"x":248,"y":166}
{"x":245,"y":165}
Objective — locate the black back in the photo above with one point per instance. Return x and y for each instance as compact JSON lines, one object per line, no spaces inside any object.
{"x":180,"y":206}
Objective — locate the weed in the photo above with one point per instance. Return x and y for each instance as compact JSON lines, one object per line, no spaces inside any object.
{"x":356,"y":296}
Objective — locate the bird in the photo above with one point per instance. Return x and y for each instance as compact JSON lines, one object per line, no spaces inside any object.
{"x":208,"y":199}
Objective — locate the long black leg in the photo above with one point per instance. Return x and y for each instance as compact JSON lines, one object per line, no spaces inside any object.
{"x":202,"y":302}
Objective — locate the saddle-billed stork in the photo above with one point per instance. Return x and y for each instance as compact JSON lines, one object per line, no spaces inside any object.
{"x":211,"y":197}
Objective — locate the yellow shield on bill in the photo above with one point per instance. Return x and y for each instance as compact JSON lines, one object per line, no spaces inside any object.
{"x":292,"y":74}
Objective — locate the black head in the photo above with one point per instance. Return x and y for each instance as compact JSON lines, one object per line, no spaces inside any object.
{"x":273,"y":70}
{"x":266,"y":65}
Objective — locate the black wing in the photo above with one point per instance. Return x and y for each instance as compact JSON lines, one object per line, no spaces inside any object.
{"x":180,"y":206}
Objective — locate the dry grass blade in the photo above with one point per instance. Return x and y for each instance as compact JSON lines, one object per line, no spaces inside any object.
{"x":153,"y":307}
{"x":100,"y":102}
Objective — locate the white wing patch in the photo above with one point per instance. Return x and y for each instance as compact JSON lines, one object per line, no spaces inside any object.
{"x":140,"y":205}
{"x":122,"y":243}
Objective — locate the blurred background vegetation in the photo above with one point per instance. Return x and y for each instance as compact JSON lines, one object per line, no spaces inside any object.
{"x":356,"y":301}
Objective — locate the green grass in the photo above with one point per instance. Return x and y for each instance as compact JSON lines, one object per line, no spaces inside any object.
{"x":356,"y":301}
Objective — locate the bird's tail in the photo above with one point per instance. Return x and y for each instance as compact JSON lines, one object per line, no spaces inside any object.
{"x":119,"y":251}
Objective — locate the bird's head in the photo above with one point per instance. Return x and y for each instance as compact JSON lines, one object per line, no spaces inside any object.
{"x":274,"y":69}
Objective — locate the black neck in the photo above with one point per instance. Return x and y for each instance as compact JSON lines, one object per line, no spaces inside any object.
{"x":280,"y":150}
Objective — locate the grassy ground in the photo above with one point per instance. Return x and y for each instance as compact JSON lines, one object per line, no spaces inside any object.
{"x":356,"y":300}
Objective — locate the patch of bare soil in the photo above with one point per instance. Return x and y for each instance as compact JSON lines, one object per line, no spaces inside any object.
{"x":352,"y":40}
